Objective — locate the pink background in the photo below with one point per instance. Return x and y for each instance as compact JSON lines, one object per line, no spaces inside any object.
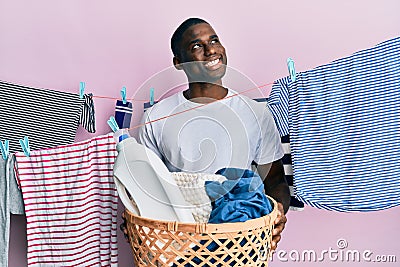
{"x":110,"y":44}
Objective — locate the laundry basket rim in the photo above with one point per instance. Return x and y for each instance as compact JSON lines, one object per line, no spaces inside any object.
{"x":206,"y":228}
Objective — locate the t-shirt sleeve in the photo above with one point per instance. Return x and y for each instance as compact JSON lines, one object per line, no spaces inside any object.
{"x":146,"y":135}
{"x":278,"y":104}
{"x":269,"y":147}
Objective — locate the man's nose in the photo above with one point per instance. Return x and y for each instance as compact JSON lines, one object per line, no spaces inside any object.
{"x":209,"y":50}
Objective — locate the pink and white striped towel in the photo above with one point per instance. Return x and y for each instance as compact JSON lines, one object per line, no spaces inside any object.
{"x":70,"y":203}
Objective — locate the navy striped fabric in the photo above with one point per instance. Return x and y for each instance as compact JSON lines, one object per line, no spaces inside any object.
{"x":344,"y":125}
{"x":87,"y":116}
{"x":278,"y":102}
{"x":47,"y":117}
{"x":147,"y":105}
{"x":123,"y":114}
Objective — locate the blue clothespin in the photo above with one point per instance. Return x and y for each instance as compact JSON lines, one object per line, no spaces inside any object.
{"x":292,"y":70}
{"x":25,"y":146}
{"x":82,"y":86}
{"x":4,"y":149}
{"x":123,"y":94}
{"x":151,"y":96}
{"x":113,"y":124}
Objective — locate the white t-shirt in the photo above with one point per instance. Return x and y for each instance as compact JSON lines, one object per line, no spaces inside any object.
{"x":231,"y":132}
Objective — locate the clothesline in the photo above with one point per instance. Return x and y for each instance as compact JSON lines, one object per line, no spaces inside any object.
{"x":142,"y":100}
{"x":196,"y":107}
{"x":67,"y":104}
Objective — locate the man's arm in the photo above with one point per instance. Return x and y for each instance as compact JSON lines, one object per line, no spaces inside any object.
{"x":276,"y":186}
{"x":275,"y":183}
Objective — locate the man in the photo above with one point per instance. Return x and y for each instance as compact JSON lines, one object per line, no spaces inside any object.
{"x":220,"y":129}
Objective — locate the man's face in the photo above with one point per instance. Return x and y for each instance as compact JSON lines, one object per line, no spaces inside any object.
{"x":201,"y":47}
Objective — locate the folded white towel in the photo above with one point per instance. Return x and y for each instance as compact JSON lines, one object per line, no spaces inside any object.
{"x":192,"y":186}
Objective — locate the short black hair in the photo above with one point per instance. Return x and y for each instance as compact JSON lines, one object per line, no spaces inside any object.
{"x":177,"y":36}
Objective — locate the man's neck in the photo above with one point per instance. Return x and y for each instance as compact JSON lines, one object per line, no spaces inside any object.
{"x":205,"y":92}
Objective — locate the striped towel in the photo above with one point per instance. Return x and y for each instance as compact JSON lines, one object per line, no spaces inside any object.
{"x":70,"y":203}
{"x":343,"y":119}
{"x":49,"y":118}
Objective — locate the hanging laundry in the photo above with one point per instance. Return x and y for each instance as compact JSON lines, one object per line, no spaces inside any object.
{"x":49,"y":118}
{"x":16,"y":201}
{"x":147,"y":105}
{"x":87,"y":116}
{"x":343,"y":119}
{"x":123,"y":114}
{"x":295,"y":204}
{"x":10,"y":202}
{"x":70,"y":203}
{"x":278,"y":103}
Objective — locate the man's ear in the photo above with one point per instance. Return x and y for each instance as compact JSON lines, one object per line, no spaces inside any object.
{"x":177,"y":63}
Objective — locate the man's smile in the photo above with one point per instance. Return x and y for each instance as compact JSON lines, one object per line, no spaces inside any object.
{"x":213,"y":64}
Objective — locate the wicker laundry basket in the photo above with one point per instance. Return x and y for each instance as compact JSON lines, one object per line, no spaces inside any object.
{"x":164,"y":243}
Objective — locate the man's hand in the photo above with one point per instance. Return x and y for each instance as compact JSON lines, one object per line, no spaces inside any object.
{"x":276,"y":186}
{"x":275,"y":183}
{"x":280,"y":222}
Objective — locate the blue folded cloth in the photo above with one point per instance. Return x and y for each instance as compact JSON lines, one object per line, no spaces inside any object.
{"x":238,"y":199}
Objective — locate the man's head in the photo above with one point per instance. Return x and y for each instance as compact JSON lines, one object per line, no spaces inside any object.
{"x":198,"y":51}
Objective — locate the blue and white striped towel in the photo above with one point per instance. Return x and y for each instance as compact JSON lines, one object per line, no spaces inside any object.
{"x":48,"y":117}
{"x":344,"y":125}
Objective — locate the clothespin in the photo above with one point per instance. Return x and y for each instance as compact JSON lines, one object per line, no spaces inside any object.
{"x":292,"y":70}
{"x":123,"y":94}
{"x":25,"y":146}
{"x":4,"y":149}
{"x":82,"y":86}
{"x":151,"y":96}
{"x":113,"y":124}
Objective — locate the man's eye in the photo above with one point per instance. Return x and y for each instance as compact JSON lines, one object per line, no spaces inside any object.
{"x":196,"y":46}
{"x":214,"y":41}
